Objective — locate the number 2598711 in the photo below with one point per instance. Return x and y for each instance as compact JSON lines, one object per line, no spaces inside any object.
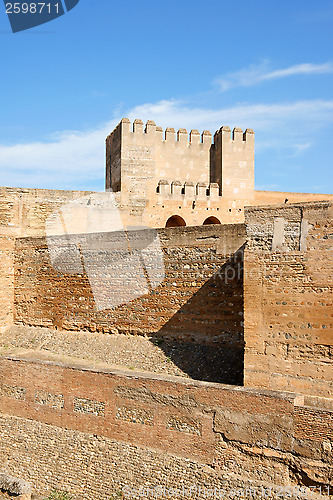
{"x":31,"y":8}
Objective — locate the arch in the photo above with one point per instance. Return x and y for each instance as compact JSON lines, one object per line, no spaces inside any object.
{"x":211,"y":220}
{"x":175,"y":221}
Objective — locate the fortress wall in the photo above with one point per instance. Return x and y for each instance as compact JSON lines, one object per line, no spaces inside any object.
{"x":195,"y":209}
{"x":288,"y":303}
{"x":200,"y":299}
{"x":234,"y":163}
{"x":277,"y":197}
{"x":7,"y":251}
{"x":23,"y":212}
{"x":138,"y":157}
{"x":92,"y":432}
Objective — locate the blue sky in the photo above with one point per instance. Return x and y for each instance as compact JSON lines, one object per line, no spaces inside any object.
{"x":256,"y":64}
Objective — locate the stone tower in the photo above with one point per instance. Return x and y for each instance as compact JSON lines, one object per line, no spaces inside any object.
{"x":158,"y":174}
{"x":138,"y":158}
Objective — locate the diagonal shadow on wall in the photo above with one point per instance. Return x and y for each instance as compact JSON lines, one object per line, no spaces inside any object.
{"x":217,"y":309}
{"x":204,"y":337}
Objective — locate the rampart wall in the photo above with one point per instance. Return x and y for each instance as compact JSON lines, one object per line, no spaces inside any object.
{"x":288,"y":298}
{"x":288,"y":294}
{"x":200,"y":298}
{"x":92,"y":432}
{"x":23,"y":212}
{"x":7,"y":251}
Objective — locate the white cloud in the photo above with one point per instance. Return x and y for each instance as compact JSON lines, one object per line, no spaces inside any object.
{"x":260,"y":73}
{"x":68,"y":158}
{"x":300,"y":148}
{"x":76,"y":160}
{"x":290,"y":116}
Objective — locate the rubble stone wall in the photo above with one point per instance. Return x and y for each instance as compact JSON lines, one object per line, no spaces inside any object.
{"x":93,"y":432}
{"x":288,"y":285}
{"x":200,"y":297}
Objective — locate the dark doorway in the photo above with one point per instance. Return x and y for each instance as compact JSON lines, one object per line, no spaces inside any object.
{"x":211,"y":220}
{"x":175,"y":221}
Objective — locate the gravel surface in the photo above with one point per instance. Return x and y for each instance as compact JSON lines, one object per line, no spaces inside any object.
{"x":130,"y":352}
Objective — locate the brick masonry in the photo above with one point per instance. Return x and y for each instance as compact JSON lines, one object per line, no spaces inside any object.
{"x":288,"y":288}
{"x":79,"y":424}
{"x":116,"y":429}
{"x":93,"y":431}
{"x":200,"y":299}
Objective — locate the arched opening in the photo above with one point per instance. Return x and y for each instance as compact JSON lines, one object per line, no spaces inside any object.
{"x":211,"y":220}
{"x":175,"y":221}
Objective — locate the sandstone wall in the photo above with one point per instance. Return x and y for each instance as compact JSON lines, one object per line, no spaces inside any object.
{"x":138,"y":158}
{"x":234,"y":163}
{"x":7,"y":250}
{"x":195,"y":210}
{"x":200,"y":298}
{"x":278,"y":197}
{"x":92,"y":432}
{"x":23,"y":212}
{"x":288,"y":306}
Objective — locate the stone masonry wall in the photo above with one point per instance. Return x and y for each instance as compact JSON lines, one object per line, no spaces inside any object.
{"x":94,"y":432}
{"x":23,"y":212}
{"x":200,"y":299}
{"x":158,"y":174}
{"x":137,"y":157}
{"x":7,"y":250}
{"x":288,"y":286}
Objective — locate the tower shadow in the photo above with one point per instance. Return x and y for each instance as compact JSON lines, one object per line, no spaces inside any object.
{"x":205,"y":338}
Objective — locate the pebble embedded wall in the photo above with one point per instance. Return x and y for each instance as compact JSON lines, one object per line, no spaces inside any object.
{"x":288,"y":298}
{"x":7,"y":251}
{"x":200,"y":299}
{"x":22,"y":212}
{"x":92,"y":432}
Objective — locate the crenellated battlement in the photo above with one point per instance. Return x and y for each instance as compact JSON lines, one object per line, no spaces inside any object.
{"x":140,"y":155}
{"x":169,"y":134}
{"x":150,"y":129}
{"x":236,"y":135}
{"x":224,"y":134}
{"x":189,"y":190}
